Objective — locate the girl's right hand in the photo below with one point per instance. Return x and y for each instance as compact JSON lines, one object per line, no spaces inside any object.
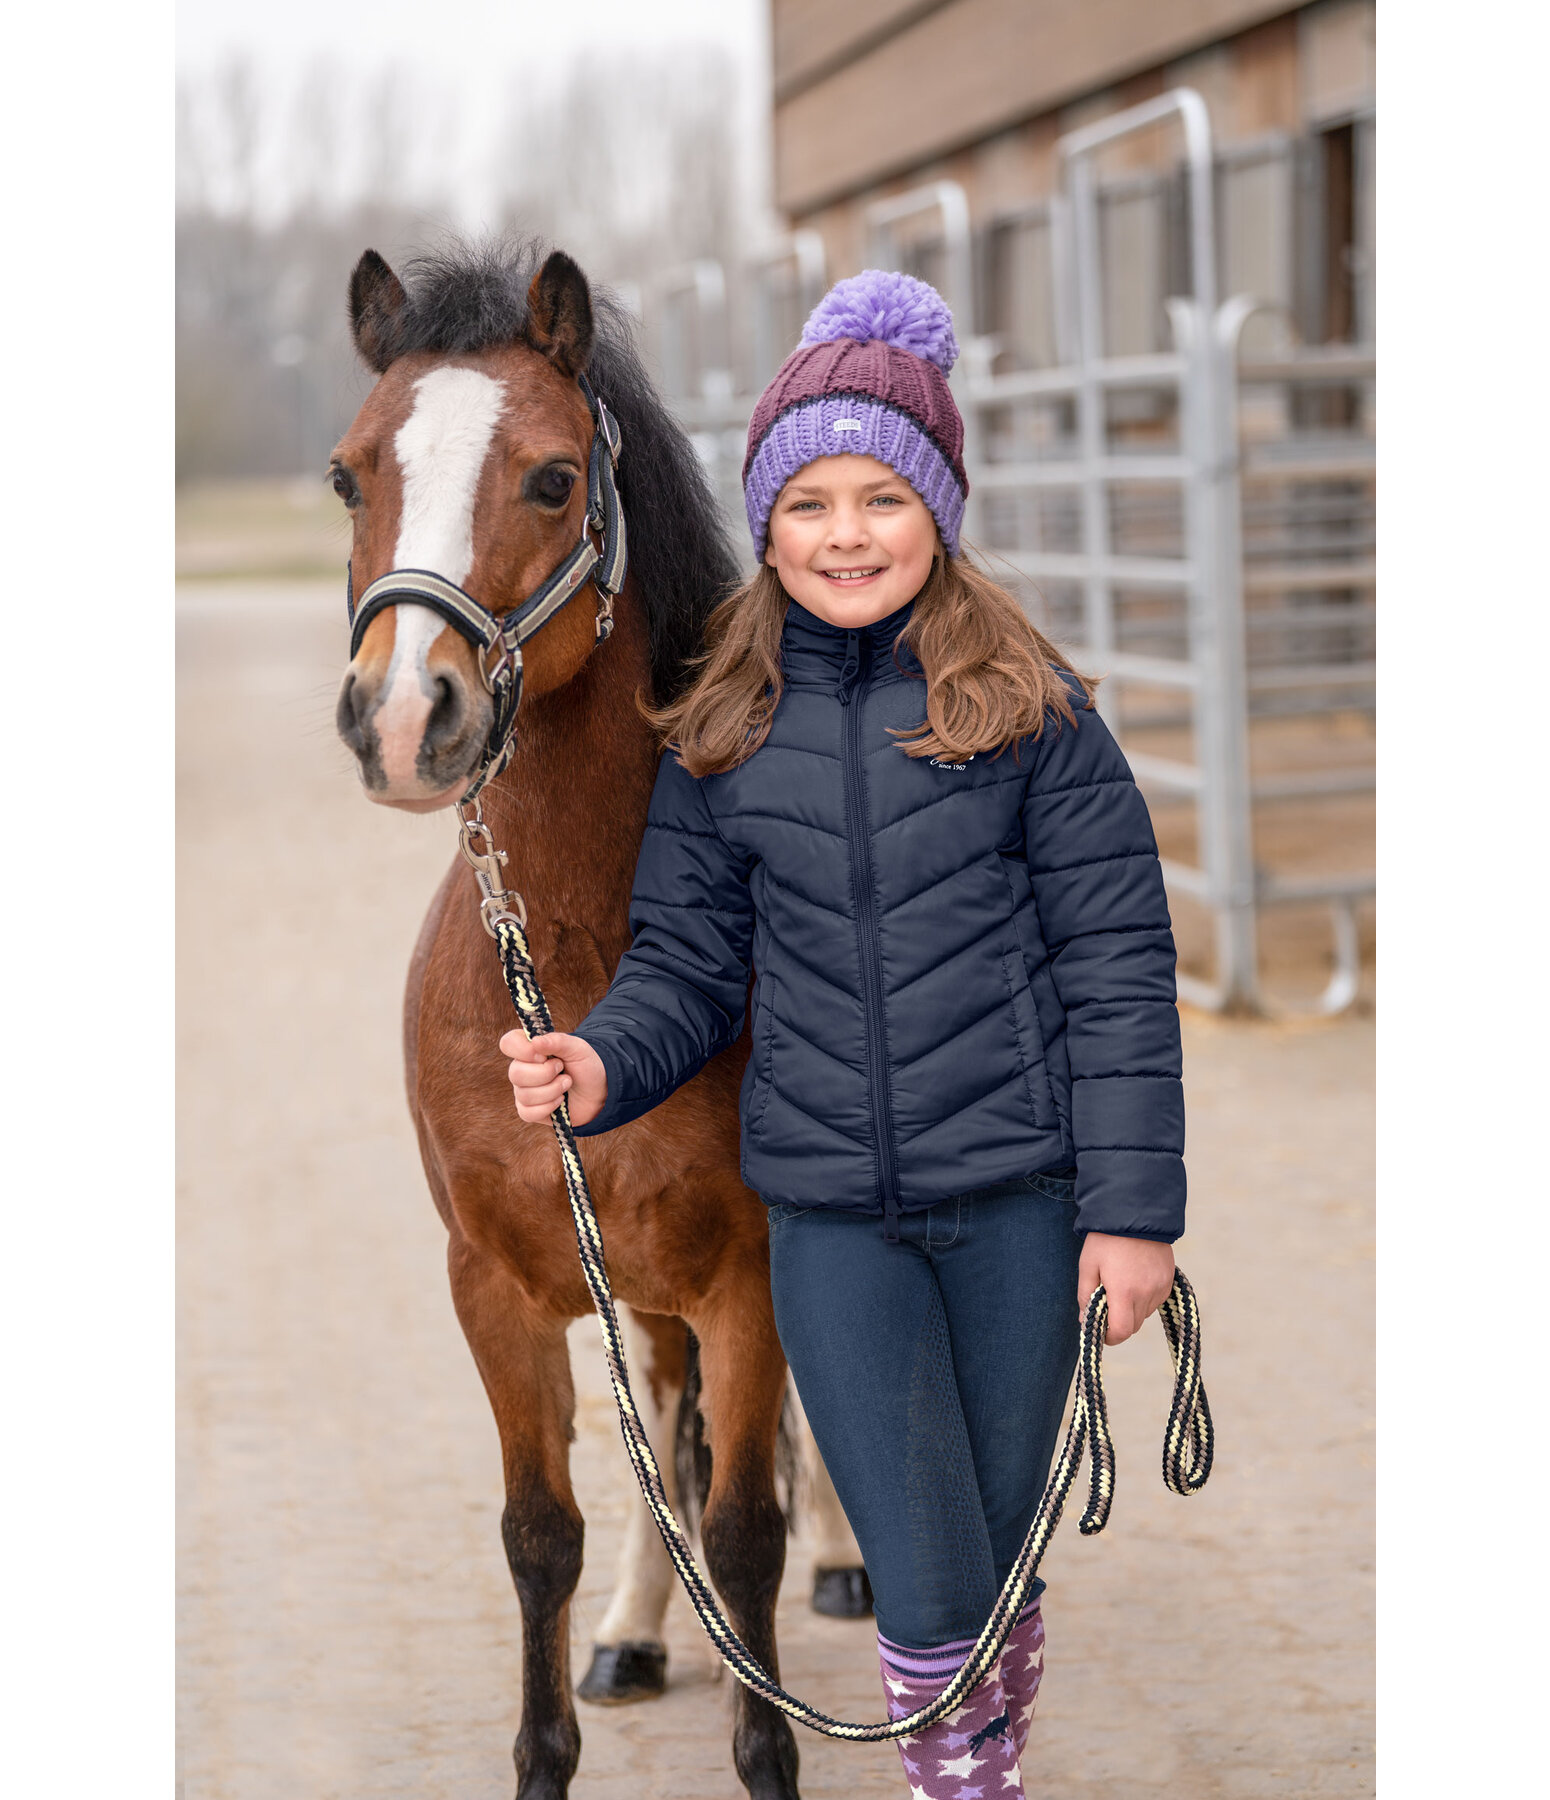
{"x":551,"y":1065}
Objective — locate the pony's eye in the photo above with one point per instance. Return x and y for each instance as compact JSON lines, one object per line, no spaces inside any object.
{"x":552,"y":486}
{"x":344,"y":485}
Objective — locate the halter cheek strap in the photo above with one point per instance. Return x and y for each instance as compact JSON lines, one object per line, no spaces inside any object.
{"x":498,"y":638}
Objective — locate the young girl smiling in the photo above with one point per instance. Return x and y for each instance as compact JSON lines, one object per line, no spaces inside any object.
{"x":887,"y":796}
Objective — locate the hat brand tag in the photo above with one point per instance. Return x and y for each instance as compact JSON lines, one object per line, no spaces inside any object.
{"x":846,"y":425}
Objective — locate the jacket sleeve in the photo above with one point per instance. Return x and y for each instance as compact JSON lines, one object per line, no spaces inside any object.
{"x":1098,"y":886}
{"x":681,"y":989}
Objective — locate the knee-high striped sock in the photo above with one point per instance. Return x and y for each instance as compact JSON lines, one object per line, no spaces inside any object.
{"x":970,"y":1755}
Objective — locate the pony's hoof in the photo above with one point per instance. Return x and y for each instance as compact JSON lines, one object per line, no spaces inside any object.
{"x":621,"y":1673}
{"x":842,"y":1593}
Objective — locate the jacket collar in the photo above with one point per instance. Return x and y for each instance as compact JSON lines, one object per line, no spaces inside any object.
{"x":812,"y":650}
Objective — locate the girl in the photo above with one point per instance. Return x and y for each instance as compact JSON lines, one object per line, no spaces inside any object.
{"x":963,"y":1107}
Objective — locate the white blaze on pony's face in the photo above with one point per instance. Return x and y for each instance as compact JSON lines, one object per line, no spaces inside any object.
{"x":441,"y":450}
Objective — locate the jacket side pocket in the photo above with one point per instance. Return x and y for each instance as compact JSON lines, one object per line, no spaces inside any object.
{"x":1030,"y":1042}
{"x":764,"y":1054}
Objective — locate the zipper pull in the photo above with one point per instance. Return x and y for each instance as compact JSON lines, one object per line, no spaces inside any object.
{"x":852,"y":668}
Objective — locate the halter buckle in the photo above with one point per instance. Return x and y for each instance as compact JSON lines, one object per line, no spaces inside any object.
{"x":493,"y":673}
{"x":608,"y":426}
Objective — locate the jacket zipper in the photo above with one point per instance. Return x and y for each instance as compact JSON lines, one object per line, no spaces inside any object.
{"x":857,"y":661}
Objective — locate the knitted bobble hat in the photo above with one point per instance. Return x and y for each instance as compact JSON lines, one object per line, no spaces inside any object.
{"x":868,"y":379}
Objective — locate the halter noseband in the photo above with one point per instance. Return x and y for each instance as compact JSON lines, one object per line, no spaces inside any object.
{"x":498,"y":638}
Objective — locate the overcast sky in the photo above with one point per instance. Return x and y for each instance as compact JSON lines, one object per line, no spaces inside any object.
{"x":462,"y":34}
{"x":475,"y":52}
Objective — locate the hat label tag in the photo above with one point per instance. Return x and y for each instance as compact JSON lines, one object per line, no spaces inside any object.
{"x":846,"y":425}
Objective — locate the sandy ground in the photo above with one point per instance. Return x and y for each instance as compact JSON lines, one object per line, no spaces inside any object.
{"x":348,"y":1630}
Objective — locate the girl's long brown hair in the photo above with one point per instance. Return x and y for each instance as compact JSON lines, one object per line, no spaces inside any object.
{"x":990,"y":674}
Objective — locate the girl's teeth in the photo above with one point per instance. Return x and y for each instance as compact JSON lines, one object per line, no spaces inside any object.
{"x":849,"y":574}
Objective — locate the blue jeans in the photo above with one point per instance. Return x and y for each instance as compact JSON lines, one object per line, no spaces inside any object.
{"x":934,"y":1372}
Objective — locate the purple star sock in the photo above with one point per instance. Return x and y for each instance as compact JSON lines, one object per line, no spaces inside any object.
{"x":1022,"y":1668}
{"x":969,"y":1755}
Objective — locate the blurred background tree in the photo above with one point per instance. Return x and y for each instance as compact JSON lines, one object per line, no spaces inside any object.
{"x":630,"y":164}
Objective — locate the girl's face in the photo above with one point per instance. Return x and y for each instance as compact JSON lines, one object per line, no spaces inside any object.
{"x":851,"y":540}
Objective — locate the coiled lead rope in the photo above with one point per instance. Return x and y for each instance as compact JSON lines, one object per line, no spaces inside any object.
{"x":1187,"y":1443}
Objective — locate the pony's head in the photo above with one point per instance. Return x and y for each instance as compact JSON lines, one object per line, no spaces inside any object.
{"x":469,"y":460}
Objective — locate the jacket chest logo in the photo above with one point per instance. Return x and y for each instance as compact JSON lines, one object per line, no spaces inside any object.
{"x":941,"y":762}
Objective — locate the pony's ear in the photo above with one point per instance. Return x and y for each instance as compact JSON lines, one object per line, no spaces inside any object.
{"x":559,"y":314}
{"x":377,"y":307}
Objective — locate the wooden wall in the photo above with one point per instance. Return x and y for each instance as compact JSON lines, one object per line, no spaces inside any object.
{"x":865,"y":89}
{"x":862,"y":85}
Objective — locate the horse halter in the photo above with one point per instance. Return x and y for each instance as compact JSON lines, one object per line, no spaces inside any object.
{"x":498,"y":638}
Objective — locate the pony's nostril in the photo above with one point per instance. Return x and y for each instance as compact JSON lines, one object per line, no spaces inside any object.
{"x":347,"y":715}
{"x":446,"y":721}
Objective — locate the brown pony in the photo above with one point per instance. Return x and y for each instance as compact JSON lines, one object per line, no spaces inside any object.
{"x":469,"y":459}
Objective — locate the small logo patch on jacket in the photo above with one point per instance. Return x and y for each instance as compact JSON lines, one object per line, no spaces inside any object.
{"x":941,"y":762}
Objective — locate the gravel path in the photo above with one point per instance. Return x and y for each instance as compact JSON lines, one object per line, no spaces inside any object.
{"x":348,"y":1630}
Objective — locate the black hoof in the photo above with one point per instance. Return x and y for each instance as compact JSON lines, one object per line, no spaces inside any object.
{"x":621,"y":1673}
{"x":842,"y":1593}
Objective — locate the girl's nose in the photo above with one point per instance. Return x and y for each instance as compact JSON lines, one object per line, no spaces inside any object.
{"x":847,"y":530}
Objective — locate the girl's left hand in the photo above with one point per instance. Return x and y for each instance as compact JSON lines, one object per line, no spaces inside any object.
{"x":1136,"y":1274}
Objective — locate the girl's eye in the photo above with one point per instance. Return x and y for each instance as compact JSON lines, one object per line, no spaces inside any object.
{"x":552,"y":486}
{"x":344,"y":486}
{"x":886,"y":500}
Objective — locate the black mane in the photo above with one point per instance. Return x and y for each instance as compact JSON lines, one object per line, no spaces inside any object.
{"x":470,"y":297}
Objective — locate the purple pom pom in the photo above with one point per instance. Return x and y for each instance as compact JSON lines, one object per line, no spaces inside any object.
{"x":882,"y":305}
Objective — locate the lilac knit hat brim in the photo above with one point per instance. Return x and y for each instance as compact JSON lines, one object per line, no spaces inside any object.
{"x":839,"y":425}
{"x":869,"y":379}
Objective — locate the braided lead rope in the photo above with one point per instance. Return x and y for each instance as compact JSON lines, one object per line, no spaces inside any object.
{"x":1186,"y":1445}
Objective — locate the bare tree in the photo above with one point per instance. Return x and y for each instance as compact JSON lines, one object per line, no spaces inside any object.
{"x":278,"y":194}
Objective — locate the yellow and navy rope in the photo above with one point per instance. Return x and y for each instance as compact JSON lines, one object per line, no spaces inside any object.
{"x":1187,"y":1443}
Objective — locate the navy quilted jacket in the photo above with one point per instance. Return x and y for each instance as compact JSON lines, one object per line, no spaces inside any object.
{"x":964,"y":973}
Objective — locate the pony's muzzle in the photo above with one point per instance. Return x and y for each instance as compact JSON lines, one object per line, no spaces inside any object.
{"x":417,"y":741}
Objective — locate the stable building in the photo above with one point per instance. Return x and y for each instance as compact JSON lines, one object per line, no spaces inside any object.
{"x":876,"y":97}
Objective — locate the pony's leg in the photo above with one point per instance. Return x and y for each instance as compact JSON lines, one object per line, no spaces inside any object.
{"x":744,"y":1531}
{"x":840,"y":1586}
{"x":629,"y":1659}
{"x":523,"y":1360}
